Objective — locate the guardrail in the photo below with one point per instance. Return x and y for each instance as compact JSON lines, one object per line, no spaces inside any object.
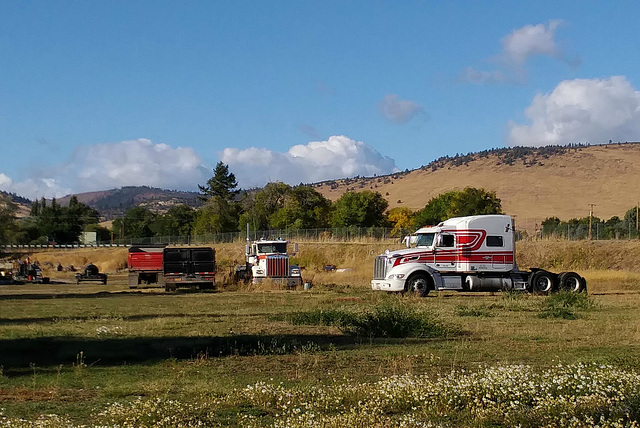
{"x":57,"y":246}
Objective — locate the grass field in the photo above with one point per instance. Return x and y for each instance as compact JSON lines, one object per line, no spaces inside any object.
{"x":99,"y":355}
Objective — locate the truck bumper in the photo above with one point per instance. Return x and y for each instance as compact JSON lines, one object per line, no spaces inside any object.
{"x":289,"y":282}
{"x":388,"y":284}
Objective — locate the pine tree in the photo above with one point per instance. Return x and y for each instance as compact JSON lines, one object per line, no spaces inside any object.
{"x":223,"y":184}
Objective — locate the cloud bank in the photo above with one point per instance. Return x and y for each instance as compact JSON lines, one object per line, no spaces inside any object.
{"x":104,"y":166}
{"x":582,"y":110}
{"x":337,"y":157}
{"x":144,"y":163}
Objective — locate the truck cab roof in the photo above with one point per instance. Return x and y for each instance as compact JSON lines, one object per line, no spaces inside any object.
{"x":490,"y":223}
{"x":272,"y":246}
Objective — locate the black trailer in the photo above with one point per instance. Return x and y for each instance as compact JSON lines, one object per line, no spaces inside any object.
{"x":189,"y":267}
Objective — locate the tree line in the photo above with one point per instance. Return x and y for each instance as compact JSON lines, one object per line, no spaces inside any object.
{"x":226,"y":208}
{"x":579,"y":228}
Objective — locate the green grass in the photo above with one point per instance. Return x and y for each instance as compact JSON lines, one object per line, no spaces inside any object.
{"x":75,"y":354}
{"x":387,"y":320}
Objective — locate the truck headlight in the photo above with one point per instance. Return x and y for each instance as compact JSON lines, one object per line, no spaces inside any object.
{"x":295,"y":271}
{"x":259,"y":272}
{"x":396,"y":276}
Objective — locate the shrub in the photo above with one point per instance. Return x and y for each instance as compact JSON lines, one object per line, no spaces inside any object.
{"x":382,"y":321}
{"x":565,"y":304}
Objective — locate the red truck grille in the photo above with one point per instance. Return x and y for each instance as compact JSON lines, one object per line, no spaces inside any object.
{"x":277,"y":266}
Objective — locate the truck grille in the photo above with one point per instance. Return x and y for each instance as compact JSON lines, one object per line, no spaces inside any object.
{"x":277,"y":266}
{"x":380,"y":268}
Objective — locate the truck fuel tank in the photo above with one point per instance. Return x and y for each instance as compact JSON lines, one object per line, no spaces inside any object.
{"x":477,"y":283}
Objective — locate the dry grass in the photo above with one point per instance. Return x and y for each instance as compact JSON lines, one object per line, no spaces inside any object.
{"x":563,"y":186}
{"x":619,"y":255}
{"x":109,"y":260}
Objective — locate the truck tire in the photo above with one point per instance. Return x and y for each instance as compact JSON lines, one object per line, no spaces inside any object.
{"x":572,"y":282}
{"x":419,"y":284}
{"x":543,"y":282}
{"x":133,"y":279}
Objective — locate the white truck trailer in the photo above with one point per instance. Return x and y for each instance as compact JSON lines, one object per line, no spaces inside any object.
{"x":474,"y":253}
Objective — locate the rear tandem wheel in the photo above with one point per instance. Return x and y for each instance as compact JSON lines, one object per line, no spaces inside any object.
{"x":543,"y":282}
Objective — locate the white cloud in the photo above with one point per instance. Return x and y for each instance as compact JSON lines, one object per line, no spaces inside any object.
{"x":111,"y":165}
{"x":531,"y":40}
{"x":472,"y":75}
{"x":5,"y":181}
{"x":136,"y":163}
{"x":399,"y":111}
{"x":581,"y":110}
{"x":337,"y":157}
{"x":517,"y":48}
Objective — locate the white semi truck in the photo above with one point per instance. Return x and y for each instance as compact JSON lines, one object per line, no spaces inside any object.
{"x":268,"y":260}
{"x":474,"y":253}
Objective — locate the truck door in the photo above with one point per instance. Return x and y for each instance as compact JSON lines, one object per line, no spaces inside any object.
{"x":495,"y":243}
{"x":203,"y":260}
{"x":444,"y":253}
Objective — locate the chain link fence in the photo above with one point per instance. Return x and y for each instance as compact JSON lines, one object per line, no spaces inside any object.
{"x":599,"y":231}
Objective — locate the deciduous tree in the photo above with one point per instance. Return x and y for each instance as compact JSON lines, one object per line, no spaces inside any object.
{"x":362,"y":209}
{"x":401,"y":218}
{"x":216,"y":216}
{"x":458,"y":203}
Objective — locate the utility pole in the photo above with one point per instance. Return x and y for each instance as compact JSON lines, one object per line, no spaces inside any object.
{"x":637,"y":208}
{"x":591,"y":219}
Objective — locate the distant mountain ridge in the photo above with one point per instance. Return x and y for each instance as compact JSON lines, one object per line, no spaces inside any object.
{"x":15,"y":198}
{"x":115,"y":202}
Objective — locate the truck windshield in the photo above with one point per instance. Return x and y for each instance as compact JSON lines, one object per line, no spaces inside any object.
{"x":425,"y":239}
{"x":273,"y":247}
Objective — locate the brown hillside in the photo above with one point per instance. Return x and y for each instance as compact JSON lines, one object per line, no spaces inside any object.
{"x":561,"y":185}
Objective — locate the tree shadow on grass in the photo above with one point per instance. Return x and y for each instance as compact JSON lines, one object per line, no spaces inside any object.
{"x":138,"y":317}
{"x":100,"y":294}
{"x":19,"y":354}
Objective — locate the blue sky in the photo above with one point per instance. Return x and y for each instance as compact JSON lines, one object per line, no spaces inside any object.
{"x":97,"y":95}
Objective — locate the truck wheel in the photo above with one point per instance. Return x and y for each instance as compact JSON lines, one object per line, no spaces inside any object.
{"x":419,"y":284}
{"x":543,"y":282}
{"x":572,"y":282}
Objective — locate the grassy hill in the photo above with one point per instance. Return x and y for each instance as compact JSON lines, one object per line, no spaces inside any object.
{"x":533,"y":184}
